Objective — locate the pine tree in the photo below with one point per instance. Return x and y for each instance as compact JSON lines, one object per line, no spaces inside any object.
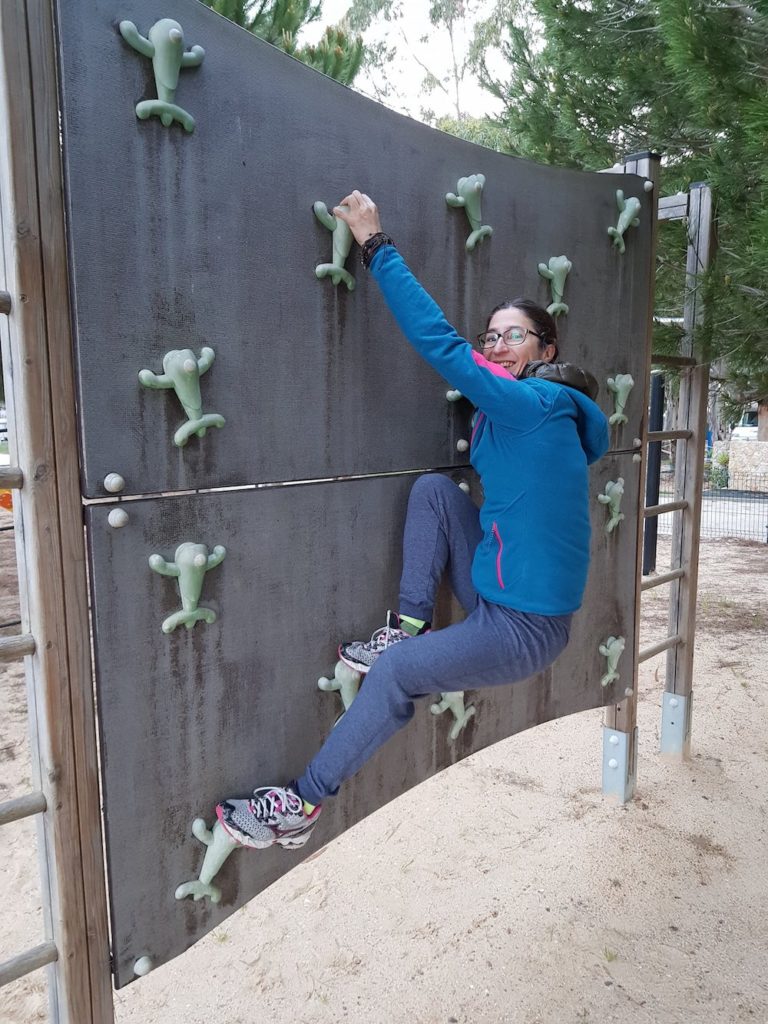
{"x":481,"y":130}
{"x":338,"y":54}
{"x":593,"y":80}
{"x":273,"y":20}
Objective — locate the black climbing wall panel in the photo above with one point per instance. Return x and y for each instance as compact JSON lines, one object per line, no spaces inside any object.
{"x":212,"y":711}
{"x":180,"y":241}
{"x":209,"y":239}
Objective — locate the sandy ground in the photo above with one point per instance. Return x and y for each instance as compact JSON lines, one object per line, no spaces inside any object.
{"x":505,"y":891}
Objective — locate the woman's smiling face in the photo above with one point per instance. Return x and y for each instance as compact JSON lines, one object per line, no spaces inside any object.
{"x":515,"y":357}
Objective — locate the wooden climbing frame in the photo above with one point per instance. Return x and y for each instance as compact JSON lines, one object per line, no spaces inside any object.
{"x":44,"y":476}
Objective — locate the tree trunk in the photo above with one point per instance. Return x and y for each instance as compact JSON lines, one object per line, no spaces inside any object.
{"x":762,"y":421}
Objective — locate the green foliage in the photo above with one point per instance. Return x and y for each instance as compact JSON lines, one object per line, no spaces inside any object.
{"x":450,"y":19}
{"x":273,"y":20}
{"x":480,"y":130}
{"x":591,"y":81}
{"x":280,"y":22}
{"x":363,"y":13}
{"x":335,"y":55}
{"x":718,"y":473}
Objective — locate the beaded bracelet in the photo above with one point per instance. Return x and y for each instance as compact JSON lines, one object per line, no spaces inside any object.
{"x":372,"y":245}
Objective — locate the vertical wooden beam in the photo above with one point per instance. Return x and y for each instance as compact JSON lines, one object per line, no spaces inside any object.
{"x":42,"y":42}
{"x":621,"y":718}
{"x":37,"y":355}
{"x":689,"y":470}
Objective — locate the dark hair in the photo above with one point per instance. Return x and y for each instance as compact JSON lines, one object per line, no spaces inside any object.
{"x":542,"y":321}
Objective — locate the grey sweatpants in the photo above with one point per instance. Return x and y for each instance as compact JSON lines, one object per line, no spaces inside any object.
{"x":493,"y":646}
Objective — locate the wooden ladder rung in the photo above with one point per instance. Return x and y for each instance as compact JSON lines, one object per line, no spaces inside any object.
{"x":15,"y":968}
{"x":22,"y":807}
{"x":669,"y":435}
{"x":662,"y":645}
{"x":656,"y":581}
{"x":14,"y":648}
{"x":680,"y":199}
{"x":11,"y":477}
{"x":660,"y":360}
{"x":659,"y":510}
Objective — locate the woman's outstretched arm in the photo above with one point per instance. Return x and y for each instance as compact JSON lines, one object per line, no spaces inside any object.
{"x":485,"y":384}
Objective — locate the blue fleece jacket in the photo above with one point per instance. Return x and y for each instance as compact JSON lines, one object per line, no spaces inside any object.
{"x":531,"y":443}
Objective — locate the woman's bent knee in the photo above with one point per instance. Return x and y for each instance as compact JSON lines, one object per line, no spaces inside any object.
{"x":433,"y":485}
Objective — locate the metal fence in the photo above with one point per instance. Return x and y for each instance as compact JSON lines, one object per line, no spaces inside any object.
{"x":733,"y":504}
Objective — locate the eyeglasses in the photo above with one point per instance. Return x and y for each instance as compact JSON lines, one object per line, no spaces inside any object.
{"x":513,"y":336}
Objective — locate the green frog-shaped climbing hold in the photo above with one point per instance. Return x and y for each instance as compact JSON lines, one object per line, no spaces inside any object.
{"x":470,"y":196}
{"x":342,"y":243}
{"x":165,"y":48}
{"x":453,"y":701}
{"x":219,"y":844}
{"x":190,"y":564}
{"x":182,"y":371}
{"x":611,"y":498}
{"x":628,"y":217}
{"x":556,"y":271}
{"x":346,"y":681}
{"x":612,"y":649}
{"x":620,"y":387}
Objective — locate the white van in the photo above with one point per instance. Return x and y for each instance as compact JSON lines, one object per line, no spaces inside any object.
{"x":746,"y":430}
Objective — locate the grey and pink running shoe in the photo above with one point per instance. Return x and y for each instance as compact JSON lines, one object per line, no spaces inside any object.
{"x":272,"y":816}
{"x":361,"y":654}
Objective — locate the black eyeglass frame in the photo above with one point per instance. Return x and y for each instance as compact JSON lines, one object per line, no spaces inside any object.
{"x":501,"y":334}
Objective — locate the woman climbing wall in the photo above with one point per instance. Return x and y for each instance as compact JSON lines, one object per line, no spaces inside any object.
{"x":518,"y":565}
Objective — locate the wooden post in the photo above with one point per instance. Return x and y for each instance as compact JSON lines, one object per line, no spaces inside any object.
{"x":620,"y":721}
{"x":50,"y":550}
{"x":689,"y":479}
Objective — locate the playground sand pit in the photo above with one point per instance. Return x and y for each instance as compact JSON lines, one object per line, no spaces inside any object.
{"x":506,"y":890}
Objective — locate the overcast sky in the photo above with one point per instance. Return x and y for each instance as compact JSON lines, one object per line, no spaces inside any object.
{"x":435,"y":54}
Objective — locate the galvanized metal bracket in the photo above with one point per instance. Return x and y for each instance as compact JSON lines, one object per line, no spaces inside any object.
{"x":675,"y":738}
{"x":619,"y":764}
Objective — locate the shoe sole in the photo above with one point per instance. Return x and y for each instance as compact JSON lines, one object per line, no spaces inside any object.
{"x":294,"y":842}
{"x":287,"y":842}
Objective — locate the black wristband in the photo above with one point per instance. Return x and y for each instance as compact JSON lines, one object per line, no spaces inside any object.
{"x":372,"y":245}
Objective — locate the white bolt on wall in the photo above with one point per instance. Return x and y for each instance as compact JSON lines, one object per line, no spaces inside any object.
{"x":117,"y":517}
{"x":113,"y":483}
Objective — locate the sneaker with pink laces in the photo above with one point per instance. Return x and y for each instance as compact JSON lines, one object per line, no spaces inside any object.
{"x":361,"y":654}
{"x":273,"y":816}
